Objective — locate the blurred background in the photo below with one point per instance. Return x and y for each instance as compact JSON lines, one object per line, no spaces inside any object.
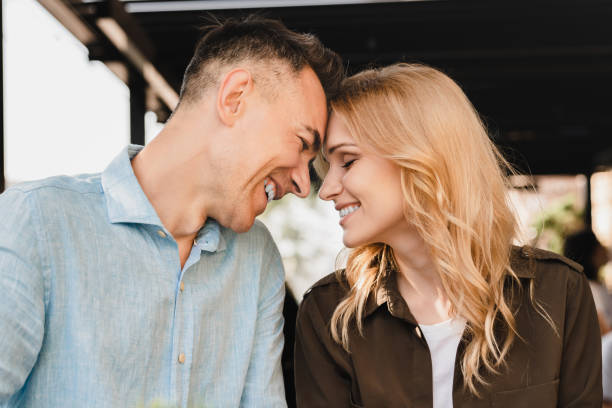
{"x":81,"y":79}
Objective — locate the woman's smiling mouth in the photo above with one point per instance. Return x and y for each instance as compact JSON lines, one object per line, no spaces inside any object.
{"x":347,"y":210}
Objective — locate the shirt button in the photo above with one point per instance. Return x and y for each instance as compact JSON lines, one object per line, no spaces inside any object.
{"x":161,"y":233}
{"x":181,"y":358}
{"x":182,"y":286}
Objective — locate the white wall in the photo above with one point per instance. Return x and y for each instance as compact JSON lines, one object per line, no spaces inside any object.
{"x":63,"y":114}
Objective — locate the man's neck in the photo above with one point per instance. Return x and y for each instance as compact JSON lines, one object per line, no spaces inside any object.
{"x":165,"y":171}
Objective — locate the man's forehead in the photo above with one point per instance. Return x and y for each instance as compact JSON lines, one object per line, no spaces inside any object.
{"x":313,"y":94}
{"x":302,"y":99}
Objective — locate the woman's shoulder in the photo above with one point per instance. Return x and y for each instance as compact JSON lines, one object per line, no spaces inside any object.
{"x":536,"y":263}
{"x":557,"y":281}
{"x":326,"y":293}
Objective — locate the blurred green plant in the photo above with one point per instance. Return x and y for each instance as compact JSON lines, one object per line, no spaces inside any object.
{"x":556,"y":222}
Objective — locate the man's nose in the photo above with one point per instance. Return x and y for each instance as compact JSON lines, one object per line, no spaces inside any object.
{"x":300,"y":180}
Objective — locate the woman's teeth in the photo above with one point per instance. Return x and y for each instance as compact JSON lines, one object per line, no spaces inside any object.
{"x":347,"y":210}
{"x":270,"y":189}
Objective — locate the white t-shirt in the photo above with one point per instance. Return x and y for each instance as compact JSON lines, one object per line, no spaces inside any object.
{"x":443,"y":339}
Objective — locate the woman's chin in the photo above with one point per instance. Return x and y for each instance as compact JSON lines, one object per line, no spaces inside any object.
{"x":351,"y":241}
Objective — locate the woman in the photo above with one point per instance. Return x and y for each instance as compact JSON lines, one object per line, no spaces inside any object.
{"x":435,"y":306}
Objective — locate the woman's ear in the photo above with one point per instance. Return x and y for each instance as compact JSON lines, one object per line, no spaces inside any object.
{"x":231,"y":97}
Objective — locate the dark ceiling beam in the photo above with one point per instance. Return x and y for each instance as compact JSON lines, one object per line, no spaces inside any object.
{"x":93,"y":11}
{"x":122,"y":30}
{"x":111,"y":34}
{"x":66,"y":14}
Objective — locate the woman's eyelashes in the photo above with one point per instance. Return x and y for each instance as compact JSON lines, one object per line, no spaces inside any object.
{"x":348,"y":163}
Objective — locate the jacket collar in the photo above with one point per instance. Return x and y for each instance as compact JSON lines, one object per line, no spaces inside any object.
{"x":388,"y":293}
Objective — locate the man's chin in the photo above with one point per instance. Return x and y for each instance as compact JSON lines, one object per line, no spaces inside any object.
{"x":241,"y":225}
{"x":241,"y":230}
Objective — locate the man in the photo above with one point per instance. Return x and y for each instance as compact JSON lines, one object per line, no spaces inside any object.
{"x":151,"y":282}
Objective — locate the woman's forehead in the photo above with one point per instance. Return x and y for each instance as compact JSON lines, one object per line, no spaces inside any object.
{"x":337,"y":135}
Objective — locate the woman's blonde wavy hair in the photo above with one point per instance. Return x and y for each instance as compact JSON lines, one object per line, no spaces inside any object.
{"x":454,"y":182}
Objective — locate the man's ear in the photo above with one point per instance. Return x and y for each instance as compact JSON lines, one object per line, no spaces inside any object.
{"x":235,"y":86}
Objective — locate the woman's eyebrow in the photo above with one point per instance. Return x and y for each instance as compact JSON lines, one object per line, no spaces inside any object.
{"x":334,"y":147}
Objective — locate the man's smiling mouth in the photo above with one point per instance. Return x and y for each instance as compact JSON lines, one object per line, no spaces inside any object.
{"x":270,"y":188}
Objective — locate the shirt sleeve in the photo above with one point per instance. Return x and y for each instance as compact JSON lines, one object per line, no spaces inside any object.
{"x":264,"y":385}
{"x":321,"y":365}
{"x":22,"y":291}
{"x":581,"y":371}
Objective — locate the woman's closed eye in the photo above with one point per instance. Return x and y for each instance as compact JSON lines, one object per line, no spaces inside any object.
{"x":348,"y":164}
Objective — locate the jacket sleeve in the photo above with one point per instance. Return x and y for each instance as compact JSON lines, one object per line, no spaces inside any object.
{"x":581,"y":371}
{"x":321,"y":365}
{"x":22,"y":291}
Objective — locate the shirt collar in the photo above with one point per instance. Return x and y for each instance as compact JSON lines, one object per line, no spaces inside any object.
{"x":388,"y":293}
{"x":125,"y":200}
{"x":127,"y":203}
{"x":210,"y":238}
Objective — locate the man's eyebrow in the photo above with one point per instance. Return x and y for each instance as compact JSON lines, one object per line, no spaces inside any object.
{"x":317,"y":137}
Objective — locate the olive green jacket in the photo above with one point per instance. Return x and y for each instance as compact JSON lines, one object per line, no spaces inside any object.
{"x":390,"y":366}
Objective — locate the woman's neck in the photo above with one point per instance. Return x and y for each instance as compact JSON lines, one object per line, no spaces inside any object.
{"x":419,"y":282}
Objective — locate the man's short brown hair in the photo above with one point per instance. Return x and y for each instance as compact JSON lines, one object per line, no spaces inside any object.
{"x":262,"y":40}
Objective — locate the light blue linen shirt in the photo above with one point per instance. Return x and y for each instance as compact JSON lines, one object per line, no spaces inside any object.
{"x":95,"y":310}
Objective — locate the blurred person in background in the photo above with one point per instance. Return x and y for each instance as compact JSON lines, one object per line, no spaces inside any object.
{"x":584,"y":248}
{"x":435,"y":307}
{"x":152,"y":282}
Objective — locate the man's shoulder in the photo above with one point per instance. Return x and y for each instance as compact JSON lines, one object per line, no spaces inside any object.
{"x":79,"y":184}
{"x":255,"y":246}
{"x":51,"y":192}
{"x":258,"y":236}
{"x":259,"y":230}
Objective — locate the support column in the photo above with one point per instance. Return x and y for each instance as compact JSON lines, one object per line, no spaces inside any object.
{"x":137,"y":107}
{"x":588,"y":221}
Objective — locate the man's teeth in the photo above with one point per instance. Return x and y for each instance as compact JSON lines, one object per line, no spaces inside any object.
{"x":270,"y":189}
{"x":347,"y":210}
